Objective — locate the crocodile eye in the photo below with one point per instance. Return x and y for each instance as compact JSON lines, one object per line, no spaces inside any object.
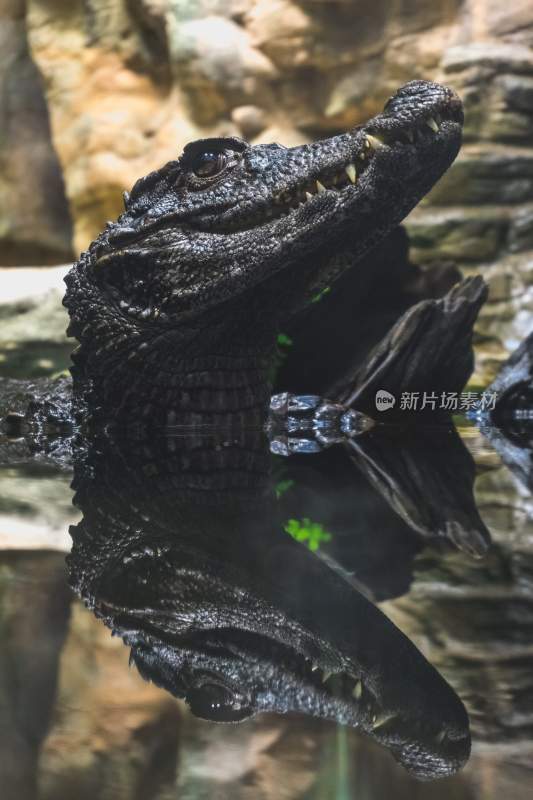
{"x":206,"y":165}
{"x":216,"y":703}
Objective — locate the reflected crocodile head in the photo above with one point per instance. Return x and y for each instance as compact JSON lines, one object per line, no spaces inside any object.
{"x":221,"y":608}
{"x":327,"y":652}
{"x":227,"y":674}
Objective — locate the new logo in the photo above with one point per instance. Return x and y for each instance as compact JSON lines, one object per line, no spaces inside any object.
{"x":384,"y":400}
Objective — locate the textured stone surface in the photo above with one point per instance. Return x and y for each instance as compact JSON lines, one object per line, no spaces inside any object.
{"x":121,"y":752}
{"x":33,"y":322}
{"x":474,"y":622}
{"x":488,"y":174}
{"x":30,"y":305}
{"x":35,"y":514}
{"x":461,"y":234}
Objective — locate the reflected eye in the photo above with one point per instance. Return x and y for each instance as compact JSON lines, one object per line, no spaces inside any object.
{"x":206,"y":165}
{"x":216,"y":703}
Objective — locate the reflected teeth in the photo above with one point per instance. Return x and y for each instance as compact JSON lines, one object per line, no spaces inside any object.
{"x":431,"y":123}
{"x":340,"y":684}
{"x":351,"y":173}
{"x":320,"y":187}
{"x":380,"y":720}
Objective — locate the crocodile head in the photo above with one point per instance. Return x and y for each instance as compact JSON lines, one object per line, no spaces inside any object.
{"x":220,"y":245}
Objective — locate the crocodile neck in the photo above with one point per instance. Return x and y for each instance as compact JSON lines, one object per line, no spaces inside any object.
{"x":208,"y":369}
{"x":166,"y":390}
{"x":214,"y":253}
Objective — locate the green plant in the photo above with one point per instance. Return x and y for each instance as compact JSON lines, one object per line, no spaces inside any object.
{"x":313,"y":534}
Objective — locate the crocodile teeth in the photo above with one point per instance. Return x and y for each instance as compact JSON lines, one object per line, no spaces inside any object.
{"x":314,"y":668}
{"x":351,"y":173}
{"x":357,"y":690}
{"x":432,"y":124}
{"x":380,"y":720}
{"x":320,"y":187}
{"x":373,"y":142}
{"x":308,"y":195}
{"x":326,"y":676}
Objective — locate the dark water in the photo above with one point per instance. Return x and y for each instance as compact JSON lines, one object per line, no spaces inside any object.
{"x":227,"y":574}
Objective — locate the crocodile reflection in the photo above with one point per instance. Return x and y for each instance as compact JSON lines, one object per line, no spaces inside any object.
{"x":512,"y":435}
{"x":182,"y":553}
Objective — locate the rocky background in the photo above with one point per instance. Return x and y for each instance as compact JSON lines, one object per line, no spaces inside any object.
{"x":95,"y":93}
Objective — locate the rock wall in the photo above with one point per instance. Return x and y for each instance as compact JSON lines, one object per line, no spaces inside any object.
{"x":35,"y":224}
{"x":473,"y":621}
{"x":481,"y":213}
{"x":123,"y":84}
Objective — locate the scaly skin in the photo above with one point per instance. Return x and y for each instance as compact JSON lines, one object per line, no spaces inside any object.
{"x":176,"y":307}
{"x":177,"y":304}
{"x":182,"y":553}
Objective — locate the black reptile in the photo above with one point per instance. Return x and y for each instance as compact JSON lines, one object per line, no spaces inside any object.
{"x":177,"y":304}
{"x":181,"y":552}
{"x":176,"y":307}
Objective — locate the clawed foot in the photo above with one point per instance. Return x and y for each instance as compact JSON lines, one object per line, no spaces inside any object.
{"x":310,"y":423}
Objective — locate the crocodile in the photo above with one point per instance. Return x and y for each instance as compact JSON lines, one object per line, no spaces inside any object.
{"x":176,"y":305}
{"x":181,"y":552}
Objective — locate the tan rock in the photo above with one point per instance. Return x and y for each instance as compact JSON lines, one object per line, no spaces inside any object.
{"x":461,"y":234}
{"x":486,"y":174}
{"x":105,"y":714}
{"x":512,"y":22}
{"x":281,"y":134}
{"x":110,"y":124}
{"x":355,"y":97}
{"x":496,"y":56}
{"x":282,"y":29}
{"x":35,"y":514}
{"x":508,"y":316}
{"x":34,"y":218}
{"x":250,"y":120}
{"x":217,"y":65}
{"x":521,"y":230}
